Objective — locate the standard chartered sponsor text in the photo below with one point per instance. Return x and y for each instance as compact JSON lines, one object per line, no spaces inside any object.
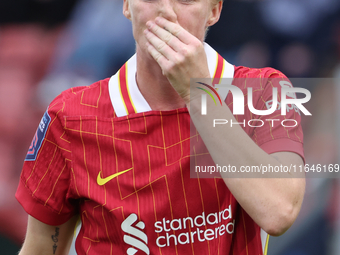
{"x":201,"y":228}
{"x":263,"y":169}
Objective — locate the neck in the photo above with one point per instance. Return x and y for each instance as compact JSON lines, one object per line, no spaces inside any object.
{"x":154,"y":86}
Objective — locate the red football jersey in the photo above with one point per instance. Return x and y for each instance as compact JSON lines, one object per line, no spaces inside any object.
{"x":102,"y":153}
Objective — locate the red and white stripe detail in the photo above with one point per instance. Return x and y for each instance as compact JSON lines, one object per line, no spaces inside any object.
{"x":126,"y":97}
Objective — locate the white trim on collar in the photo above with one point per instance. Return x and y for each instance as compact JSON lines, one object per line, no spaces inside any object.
{"x":212,"y":63}
{"x":116,"y":99}
{"x":141,"y":105}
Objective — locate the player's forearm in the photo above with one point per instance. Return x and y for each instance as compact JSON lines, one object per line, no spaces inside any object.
{"x":272,"y":203}
{"x":231,"y":145}
{"x":43,"y":239}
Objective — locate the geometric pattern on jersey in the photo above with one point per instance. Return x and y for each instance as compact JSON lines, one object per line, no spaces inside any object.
{"x":87,"y":140}
{"x":158,"y":189}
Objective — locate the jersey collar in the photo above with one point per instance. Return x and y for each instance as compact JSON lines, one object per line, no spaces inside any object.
{"x":126,"y":97}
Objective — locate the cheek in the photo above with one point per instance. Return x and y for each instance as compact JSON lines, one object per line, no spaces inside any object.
{"x":195,"y":28}
{"x":138,"y":26}
{"x":139,"y":19}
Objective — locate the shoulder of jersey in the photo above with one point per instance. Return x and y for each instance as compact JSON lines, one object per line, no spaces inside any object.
{"x":266,"y":72}
{"x":84,"y":100}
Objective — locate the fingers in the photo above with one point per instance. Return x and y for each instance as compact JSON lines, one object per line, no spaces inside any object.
{"x":163,"y":46}
{"x":158,"y":49}
{"x":171,"y":34}
{"x":159,"y":57}
{"x":162,"y":40}
{"x":170,"y":40}
{"x":174,"y":29}
{"x":178,"y":52}
{"x":163,"y":34}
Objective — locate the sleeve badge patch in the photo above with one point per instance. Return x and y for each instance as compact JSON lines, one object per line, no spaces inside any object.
{"x":38,"y":138}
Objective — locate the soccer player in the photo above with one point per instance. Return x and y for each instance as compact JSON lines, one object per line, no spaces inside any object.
{"x":117,"y":153}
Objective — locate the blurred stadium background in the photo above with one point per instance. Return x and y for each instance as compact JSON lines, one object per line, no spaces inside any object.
{"x":47,"y":46}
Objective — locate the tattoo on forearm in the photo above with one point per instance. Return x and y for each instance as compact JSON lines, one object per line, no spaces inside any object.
{"x":55,"y":239}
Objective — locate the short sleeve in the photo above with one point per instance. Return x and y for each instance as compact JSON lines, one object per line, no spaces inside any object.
{"x":46,"y":178}
{"x":279,"y":132}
